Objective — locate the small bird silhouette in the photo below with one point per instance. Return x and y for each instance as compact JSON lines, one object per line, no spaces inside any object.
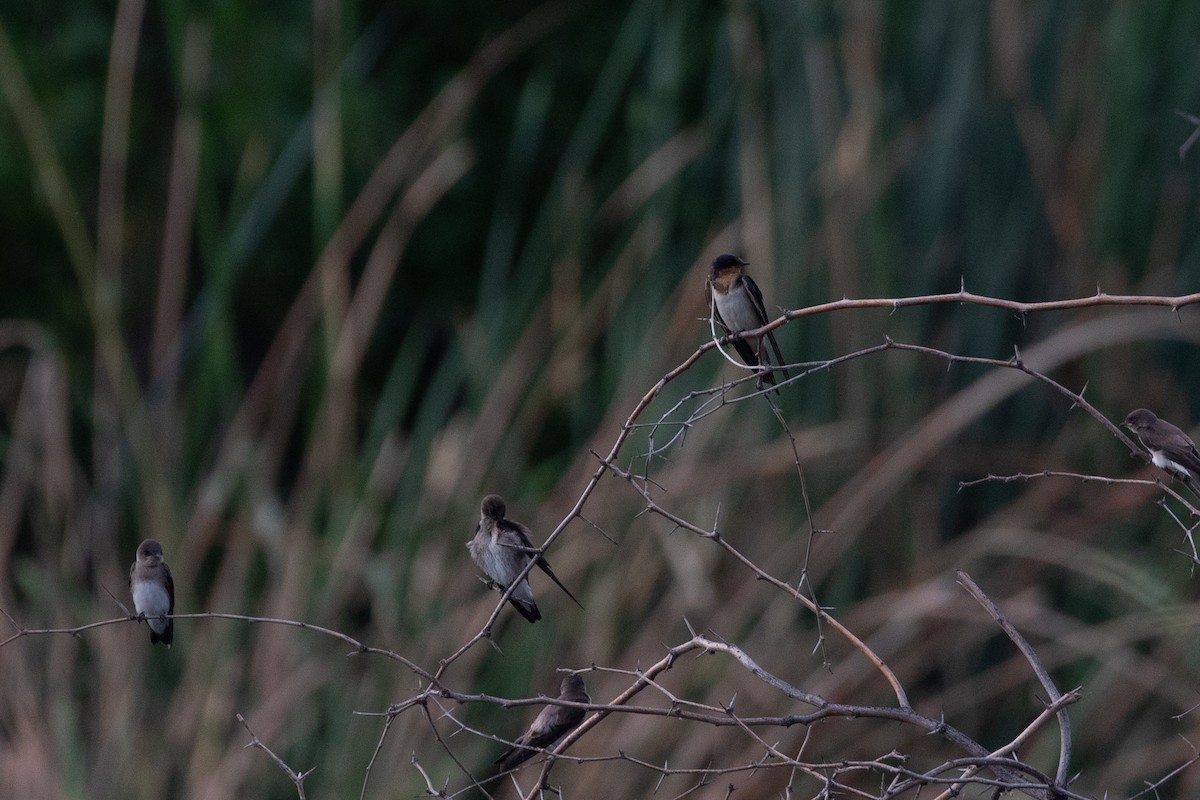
{"x":550,"y":725}
{"x":502,"y":548}
{"x":1170,"y":448}
{"x":737,"y":304}
{"x":153,"y":591}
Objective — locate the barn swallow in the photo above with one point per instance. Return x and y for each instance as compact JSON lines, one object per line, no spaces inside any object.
{"x":153,"y":591}
{"x":502,"y":548}
{"x":551,"y":724}
{"x":737,"y":304}
{"x":1170,"y":448}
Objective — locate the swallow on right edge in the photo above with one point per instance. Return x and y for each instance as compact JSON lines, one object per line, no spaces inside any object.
{"x":501,"y":549}
{"x":737,"y":304}
{"x":551,"y":724}
{"x":1170,"y":448}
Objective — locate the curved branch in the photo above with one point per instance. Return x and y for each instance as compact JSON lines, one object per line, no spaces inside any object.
{"x":1064,"y":719}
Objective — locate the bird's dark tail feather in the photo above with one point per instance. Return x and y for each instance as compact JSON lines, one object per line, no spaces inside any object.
{"x":529,"y":612}
{"x":514,"y":757}
{"x":166,"y":637}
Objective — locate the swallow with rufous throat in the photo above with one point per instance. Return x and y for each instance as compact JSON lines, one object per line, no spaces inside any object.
{"x":502,"y":548}
{"x":153,"y":591}
{"x":550,"y":725}
{"x":737,"y":304}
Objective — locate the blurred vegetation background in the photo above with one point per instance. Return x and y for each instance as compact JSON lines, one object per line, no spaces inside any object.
{"x":290,"y":288}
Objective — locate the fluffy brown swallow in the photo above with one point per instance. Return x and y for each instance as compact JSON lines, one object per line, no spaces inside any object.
{"x":737,"y":304}
{"x":501,"y":548}
{"x":550,"y":725}
{"x":1170,"y":448}
{"x":153,"y":591}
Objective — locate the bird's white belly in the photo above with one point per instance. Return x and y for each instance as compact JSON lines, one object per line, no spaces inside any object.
{"x":151,"y":599}
{"x":500,"y":565}
{"x":1162,"y":462}
{"x":737,"y":311}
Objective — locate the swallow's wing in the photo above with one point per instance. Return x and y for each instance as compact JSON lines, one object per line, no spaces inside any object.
{"x":1190,"y":458}
{"x":513,"y":757}
{"x":778,"y":355}
{"x":1178,"y":446}
{"x":1173,"y":442}
{"x":756,"y":298}
{"x":520,"y":753}
{"x":523,"y":534}
{"x":170,"y":587}
{"x":551,"y":724}
{"x":1162,"y":435}
{"x":168,"y":634}
{"x":545,"y":567}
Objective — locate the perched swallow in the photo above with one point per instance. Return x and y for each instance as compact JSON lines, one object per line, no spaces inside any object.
{"x":1170,"y":448}
{"x":501,"y":548}
{"x":737,"y":303}
{"x":551,"y":724}
{"x":153,"y":591}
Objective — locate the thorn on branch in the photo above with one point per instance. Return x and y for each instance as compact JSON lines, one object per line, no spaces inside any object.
{"x":1075,"y":403}
{"x":295,"y":776}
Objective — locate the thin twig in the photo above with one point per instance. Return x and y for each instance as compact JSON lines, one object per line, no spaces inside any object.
{"x":1064,"y":719}
{"x":294,"y":776}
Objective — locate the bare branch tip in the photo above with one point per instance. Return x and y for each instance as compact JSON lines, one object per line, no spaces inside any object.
{"x":9,"y":617}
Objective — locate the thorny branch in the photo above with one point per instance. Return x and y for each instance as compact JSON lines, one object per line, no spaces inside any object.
{"x":1000,"y":768}
{"x":1064,"y":721}
{"x":294,"y":776}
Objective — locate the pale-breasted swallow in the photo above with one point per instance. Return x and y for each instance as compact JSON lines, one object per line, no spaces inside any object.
{"x":153,"y":591}
{"x":737,"y":304}
{"x":551,"y":724}
{"x":502,"y":548}
{"x":1170,"y":448}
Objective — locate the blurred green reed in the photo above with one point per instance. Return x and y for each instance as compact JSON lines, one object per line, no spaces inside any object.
{"x":291,"y":289}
